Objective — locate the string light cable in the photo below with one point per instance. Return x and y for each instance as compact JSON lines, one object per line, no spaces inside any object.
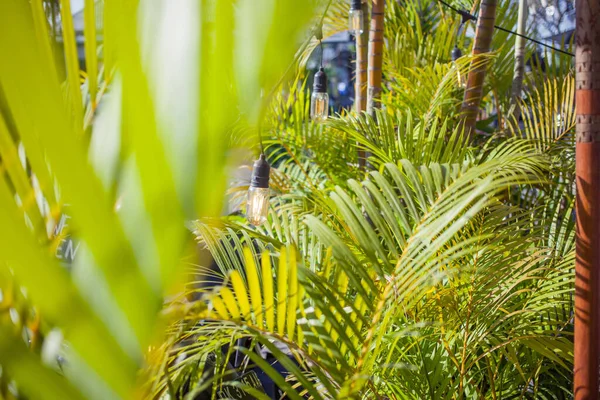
{"x":319,"y":100}
{"x":466,"y":16}
{"x":321,"y":48}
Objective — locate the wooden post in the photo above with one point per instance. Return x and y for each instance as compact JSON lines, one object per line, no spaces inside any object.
{"x":519,"y":72}
{"x":587,"y":265}
{"x":362,"y":42}
{"x":375,"y":68}
{"x":375,"y":55}
{"x":482,"y":44}
{"x":360,"y":88}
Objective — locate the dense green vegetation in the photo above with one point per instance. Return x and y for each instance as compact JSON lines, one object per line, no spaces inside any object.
{"x":444,"y":270}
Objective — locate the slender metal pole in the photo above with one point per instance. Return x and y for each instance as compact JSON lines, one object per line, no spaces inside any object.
{"x":587,"y":265}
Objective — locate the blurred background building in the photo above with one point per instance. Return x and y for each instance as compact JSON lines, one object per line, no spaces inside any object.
{"x":552,"y":20}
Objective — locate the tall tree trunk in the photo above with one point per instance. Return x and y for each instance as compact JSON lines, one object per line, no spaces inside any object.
{"x":362,"y":41}
{"x":375,"y":55}
{"x":587,"y":169}
{"x":517,"y":84}
{"x":482,"y":43}
{"x":360,"y":88}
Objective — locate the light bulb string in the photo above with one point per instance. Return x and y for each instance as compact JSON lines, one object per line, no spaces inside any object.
{"x":466,"y":16}
{"x":321,"y":59}
{"x":460,"y":28}
{"x":305,"y":45}
{"x":260,"y":141}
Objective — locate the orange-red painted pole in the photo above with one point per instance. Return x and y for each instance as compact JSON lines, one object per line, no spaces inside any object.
{"x":587,"y":265}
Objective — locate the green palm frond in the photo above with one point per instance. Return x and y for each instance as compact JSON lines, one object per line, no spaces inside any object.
{"x":446,"y":272}
{"x":274,"y":303}
{"x":293,"y":139}
{"x":441,"y":271}
{"x":431,"y":91}
{"x":127,"y":261}
{"x":417,"y":34}
{"x":549,"y":116}
{"x":391,"y":138}
{"x":386,"y":269}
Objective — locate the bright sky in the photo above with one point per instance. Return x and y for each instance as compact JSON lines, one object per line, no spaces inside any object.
{"x":76,"y":6}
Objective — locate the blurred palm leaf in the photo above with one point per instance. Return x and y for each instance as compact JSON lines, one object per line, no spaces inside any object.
{"x":120,"y":276}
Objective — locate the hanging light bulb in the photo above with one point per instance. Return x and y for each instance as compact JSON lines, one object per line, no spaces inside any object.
{"x":319,"y":103}
{"x":258,"y":194}
{"x":356,"y":17}
{"x":456,"y":54}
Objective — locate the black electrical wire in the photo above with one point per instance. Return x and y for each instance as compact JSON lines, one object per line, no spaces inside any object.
{"x":260,"y":142}
{"x":467,"y":16}
{"x":536,"y":41}
{"x":321,"y":45}
{"x":464,"y":14}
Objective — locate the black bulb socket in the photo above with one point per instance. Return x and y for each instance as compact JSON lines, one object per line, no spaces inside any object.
{"x":456,"y":53}
{"x":320,"y":81}
{"x":466,"y":16}
{"x":260,"y":173}
{"x":356,"y":5}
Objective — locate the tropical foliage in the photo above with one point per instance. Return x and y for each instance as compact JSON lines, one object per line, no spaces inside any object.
{"x":152,"y":141}
{"x":444,"y":270}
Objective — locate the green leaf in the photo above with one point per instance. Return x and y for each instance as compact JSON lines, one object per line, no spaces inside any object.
{"x":91,"y":51}
{"x":35,"y":380}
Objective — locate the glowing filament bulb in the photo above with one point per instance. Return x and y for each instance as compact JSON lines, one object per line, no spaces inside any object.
{"x":356,"y":21}
{"x":462,"y":78}
{"x":319,"y":107}
{"x":456,"y":54}
{"x":319,"y":104}
{"x":257,"y":206}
